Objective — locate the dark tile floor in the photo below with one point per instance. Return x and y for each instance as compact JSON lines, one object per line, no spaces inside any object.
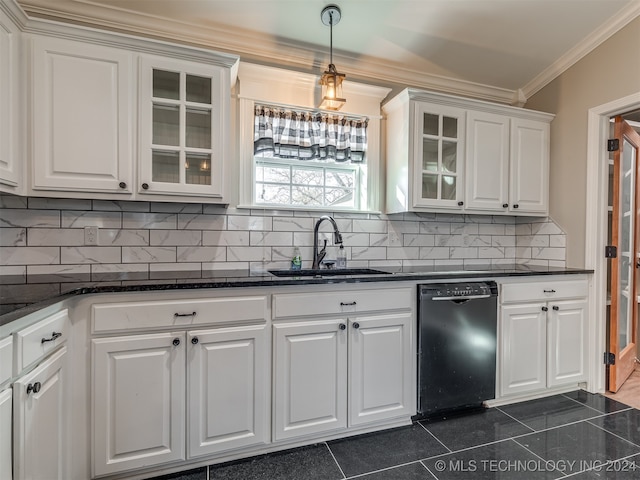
{"x":578,"y":436}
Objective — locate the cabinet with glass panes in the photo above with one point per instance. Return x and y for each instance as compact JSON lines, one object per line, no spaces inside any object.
{"x":184,"y":121}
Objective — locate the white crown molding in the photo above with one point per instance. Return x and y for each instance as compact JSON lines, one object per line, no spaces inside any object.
{"x":255,"y":48}
{"x":590,"y":43}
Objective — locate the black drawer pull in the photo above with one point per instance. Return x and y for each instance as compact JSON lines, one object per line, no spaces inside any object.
{"x":549,"y":291}
{"x":544,"y":309}
{"x":556,"y":308}
{"x":348,"y":304}
{"x":356,"y":325}
{"x":192,"y":314}
{"x":194,"y":340}
{"x":35,"y":388}
{"x":176,"y":342}
{"x":54,"y":336}
{"x":342,"y":326}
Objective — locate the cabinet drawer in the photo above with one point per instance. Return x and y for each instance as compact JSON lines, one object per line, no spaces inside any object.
{"x":36,"y":341}
{"x":328,"y":303}
{"x":108,"y":317}
{"x":543,"y":291}
{"x":6,"y":359}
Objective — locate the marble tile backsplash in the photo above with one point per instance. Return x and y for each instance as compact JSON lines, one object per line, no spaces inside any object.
{"x":46,"y":236}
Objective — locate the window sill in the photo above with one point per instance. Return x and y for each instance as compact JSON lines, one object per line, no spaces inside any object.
{"x":289,"y":208}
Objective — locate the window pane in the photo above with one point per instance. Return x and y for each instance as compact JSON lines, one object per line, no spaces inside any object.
{"x":309,"y":196}
{"x":308,"y":176}
{"x":277,"y":174}
{"x":198,"y":169}
{"x":339,"y":197}
{"x":166,"y":84}
{"x":430,"y":155}
{"x":430,"y":124}
{"x":198,"y":131}
{"x":165,"y":167}
{"x":273,"y":194}
{"x":341,"y":178}
{"x":198,"y":89}
{"x":448,"y":187}
{"x":166,"y":125}
{"x":449,"y":152}
{"x":429,"y":186}
{"x":449,"y":127}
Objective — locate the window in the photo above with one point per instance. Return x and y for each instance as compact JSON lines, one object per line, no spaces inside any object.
{"x":307,"y":159}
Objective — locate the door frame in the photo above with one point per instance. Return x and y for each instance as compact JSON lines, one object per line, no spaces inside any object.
{"x":598,"y":132}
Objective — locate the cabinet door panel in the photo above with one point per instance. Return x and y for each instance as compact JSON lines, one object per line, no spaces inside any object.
{"x":487,"y":163}
{"x":524,"y":342}
{"x":39,"y":421}
{"x":138,"y":401}
{"x":529,"y":188}
{"x":227,"y":388}
{"x":10,"y":131}
{"x":380,"y":368}
{"x":568,"y":339}
{"x":310,"y":378}
{"x":5,"y":433}
{"x":82,"y":130}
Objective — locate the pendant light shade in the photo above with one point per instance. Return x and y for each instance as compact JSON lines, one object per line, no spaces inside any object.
{"x":331,"y":80}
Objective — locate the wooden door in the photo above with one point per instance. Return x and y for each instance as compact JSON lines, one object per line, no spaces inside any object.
{"x":39,"y":422}
{"x":227,"y":388}
{"x":138,"y":398}
{"x":381,"y":377}
{"x":310,"y":377}
{"x":624,"y":268}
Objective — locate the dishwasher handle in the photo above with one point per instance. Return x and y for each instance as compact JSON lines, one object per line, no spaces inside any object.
{"x":462,"y":297}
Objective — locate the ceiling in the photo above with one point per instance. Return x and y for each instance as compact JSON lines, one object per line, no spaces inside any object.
{"x":508,"y":48}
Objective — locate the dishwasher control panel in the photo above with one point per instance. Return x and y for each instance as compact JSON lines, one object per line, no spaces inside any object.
{"x":461,"y":289}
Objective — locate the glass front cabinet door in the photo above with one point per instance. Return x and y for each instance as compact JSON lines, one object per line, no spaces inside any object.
{"x":184,"y":114}
{"x":438,"y":155}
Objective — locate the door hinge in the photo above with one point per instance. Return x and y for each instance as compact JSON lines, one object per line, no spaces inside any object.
{"x":613,"y":145}
{"x":609,"y":358}
{"x":610,"y":251}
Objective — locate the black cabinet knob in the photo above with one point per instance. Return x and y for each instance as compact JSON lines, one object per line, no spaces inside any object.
{"x":505,"y":205}
{"x":145,"y":186}
{"x":194,"y":340}
{"x":122,"y":185}
{"x":35,"y":388}
{"x":556,"y":307}
{"x":176,"y":342}
{"x":515,"y":205}
{"x":342,"y":326}
{"x":356,"y":325}
{"x":460,"y":204}
{"x":544,"y":309}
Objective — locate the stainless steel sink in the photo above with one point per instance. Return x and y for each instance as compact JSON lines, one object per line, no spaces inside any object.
{"x":326,"y":272}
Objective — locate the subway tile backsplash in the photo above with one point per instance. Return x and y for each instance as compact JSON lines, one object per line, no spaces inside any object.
{"x":43,"y":235}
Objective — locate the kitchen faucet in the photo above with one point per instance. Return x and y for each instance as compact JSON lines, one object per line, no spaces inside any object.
{"x":337,"y":239}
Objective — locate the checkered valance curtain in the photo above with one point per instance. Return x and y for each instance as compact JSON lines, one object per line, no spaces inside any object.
{"x":289,"y":134}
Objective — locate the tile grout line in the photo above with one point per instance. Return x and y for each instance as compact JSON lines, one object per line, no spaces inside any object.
{"x":429,"y":470}
{"x":515,"y":419}
{"x":616,"y":435}
{"x":538,"y":456}
{"x":335,"y":460}
{"x":437,"y":439}
{"x":593,"y":408}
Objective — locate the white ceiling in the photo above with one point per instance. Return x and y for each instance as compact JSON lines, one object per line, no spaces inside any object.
{"x":511,"y":45}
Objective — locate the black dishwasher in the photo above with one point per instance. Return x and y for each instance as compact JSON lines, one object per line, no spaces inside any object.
{"x":457,"y":330}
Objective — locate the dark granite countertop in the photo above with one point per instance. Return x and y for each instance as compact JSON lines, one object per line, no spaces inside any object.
{"x":47,"y":290}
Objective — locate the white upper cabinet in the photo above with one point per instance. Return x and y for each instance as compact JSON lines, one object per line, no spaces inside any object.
{"x":184,"y":127}
{"x":10,"y":103}
{"x":82,"y":116}
{"x":446,"y":153}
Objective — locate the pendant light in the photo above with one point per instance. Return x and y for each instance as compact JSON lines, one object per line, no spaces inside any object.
{"x":331,"y":80}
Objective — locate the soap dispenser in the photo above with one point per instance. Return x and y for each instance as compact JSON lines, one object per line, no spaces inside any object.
{"x":341,"y":259}
{"x":296,"y":260}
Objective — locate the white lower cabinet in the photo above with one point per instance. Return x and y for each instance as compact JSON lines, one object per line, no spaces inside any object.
{"x":340,"y":372}
{"x":170,"y":396}
{"x":544,"y":341}
{"x":39,"y":421}
{"x":5,"y":433}
{"x":138,"y":401}
{"x":227,"y":389}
